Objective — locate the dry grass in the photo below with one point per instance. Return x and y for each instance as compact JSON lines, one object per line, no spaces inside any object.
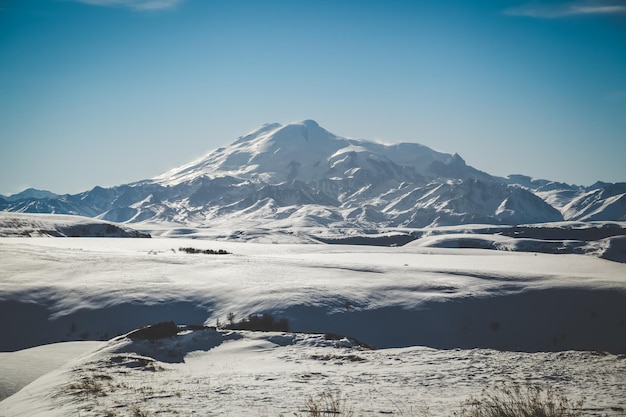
{"x":504,"y":401}
{"x":87,"y":386}
{"x":521,"y":401}
{"x":327,"y":404}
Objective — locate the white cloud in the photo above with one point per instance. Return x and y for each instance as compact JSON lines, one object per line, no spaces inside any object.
{"x":598,"y":9}
{"x":568,"y":9}
{"x":134,"y":4}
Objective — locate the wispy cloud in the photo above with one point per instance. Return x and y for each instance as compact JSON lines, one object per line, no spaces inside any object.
{"x":568,"y":9}
{"x":140,"y":5}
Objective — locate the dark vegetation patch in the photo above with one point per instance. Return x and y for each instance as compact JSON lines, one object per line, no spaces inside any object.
{"x":204,"y":251}
{"x":155,"y":331}
{"x":258,"y":322}
{"x":341,"y":358}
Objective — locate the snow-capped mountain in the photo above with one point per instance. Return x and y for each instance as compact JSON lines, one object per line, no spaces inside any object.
{"x":305,"y":152}
{"x":300,"y":175}
{"x":31,"y":193}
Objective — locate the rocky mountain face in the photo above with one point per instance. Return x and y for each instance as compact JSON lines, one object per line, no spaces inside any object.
{"x":300,"y":175}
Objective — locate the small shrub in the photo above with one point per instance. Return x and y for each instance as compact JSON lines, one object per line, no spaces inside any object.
{"x":138,"y":412}
{"x":521,"y":401}
{"x":87,"y":386}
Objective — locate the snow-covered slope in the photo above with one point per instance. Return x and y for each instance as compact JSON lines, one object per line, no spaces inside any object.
{"x":301,"y":176}
{"x":69,"y":289}
{"x":60,"y":225}
{"x":487,"y":316}
{"x":209,"y":372}
{"x":605,"y":203}
{"x":600,"y":201}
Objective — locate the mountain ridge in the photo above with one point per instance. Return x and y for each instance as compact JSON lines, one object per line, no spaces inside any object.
{"x":301,"y":175}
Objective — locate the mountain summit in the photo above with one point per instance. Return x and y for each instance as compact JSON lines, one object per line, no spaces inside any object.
{"x":299,"y":175}
{"x":304,"y":151}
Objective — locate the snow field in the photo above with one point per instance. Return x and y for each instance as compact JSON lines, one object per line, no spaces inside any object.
{"x":217,"y":373}
{"x":397,"y":299}
{"x":74,"y":289}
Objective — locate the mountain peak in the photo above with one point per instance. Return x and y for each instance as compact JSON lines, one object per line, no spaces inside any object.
{"x":309,"y":130}
{"x":309,"y":123}
{"x":303,"y":129}
{"x":456,"y":160}
{"x":32,"y":193}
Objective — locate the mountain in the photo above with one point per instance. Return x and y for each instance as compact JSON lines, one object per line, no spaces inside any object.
{"x":30,"y":194}
{"x":300,"y":177}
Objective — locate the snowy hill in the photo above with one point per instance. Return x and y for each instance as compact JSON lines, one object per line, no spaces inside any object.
{"x":211,"y":372}
{"x":60,"y":225}
{"x":300,"y":176}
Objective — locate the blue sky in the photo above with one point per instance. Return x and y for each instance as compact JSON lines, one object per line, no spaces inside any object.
{"x":103,"y":92}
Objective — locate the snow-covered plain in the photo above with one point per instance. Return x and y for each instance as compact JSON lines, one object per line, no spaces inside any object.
{"x":446,"y":322}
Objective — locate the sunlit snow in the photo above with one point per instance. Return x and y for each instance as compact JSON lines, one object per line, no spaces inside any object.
{"x":447,"y":322}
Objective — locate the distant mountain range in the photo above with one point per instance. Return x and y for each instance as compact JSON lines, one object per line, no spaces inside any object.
{"x":301,"y":176}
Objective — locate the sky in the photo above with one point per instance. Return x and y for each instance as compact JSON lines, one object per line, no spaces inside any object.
{"x":106,"y":92}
